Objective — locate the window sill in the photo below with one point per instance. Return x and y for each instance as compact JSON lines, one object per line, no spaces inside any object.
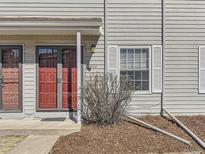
{"x":142,"y":93}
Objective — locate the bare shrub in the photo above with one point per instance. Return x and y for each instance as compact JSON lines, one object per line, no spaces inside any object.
{"x":105,"y":99}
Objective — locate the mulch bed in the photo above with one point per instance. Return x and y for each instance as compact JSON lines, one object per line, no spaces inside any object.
{"x":130,"y":138}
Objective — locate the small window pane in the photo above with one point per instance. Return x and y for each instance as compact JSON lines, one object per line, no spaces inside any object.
{"x":138,"y":85}
{"x":130,"y":65}
{"x":145,"y":85}
{"x":145,"y":75}
{"x":137,"y":65}
{"x":143,"y":66}
{"x":123,"y":58}
{"x":145,"y":53}
{"x":138,"y":75}
{"x":137,"y":55}
{"x":147,"y":63}
{"x":131,"y":76}
{"x":130,"y":58}
{"x":131,"y":85}
{"x":123,"y":73}
{"x":123,"y":65}
{"x":130,"y":54}
{"x":145,"y":59}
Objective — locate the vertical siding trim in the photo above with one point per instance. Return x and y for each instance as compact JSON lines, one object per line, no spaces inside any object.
{"x":22,"y":80}
{"x":105,"y":38}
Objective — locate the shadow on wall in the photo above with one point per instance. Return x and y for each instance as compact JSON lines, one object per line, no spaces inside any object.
{"x":90,"y":51}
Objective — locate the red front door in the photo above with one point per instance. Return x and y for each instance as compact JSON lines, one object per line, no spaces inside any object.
{"x":47,"y":77}
{"x":57,"y":78}
{"x":10,"y":77}
{"x":69,"y":78}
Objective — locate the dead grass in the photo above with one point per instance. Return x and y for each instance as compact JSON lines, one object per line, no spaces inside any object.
{"x":9,"y":142}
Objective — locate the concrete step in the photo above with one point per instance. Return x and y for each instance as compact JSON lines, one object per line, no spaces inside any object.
{"x":38,"y":127}
{"x":25,"y":132}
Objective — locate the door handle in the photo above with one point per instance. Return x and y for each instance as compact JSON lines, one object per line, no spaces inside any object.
{"x":2,"y":81}
{"x":59,"y":80}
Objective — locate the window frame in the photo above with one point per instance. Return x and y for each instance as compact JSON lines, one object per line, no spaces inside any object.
{"x":150,"y":67}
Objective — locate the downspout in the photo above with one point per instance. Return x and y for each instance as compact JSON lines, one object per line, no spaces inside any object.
{"x":189,"y":132}
{"x":142,"y":123}
{"x":105,"y":38}
{"x":163,"y":55}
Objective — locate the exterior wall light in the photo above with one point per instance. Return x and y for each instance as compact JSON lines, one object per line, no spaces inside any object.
{"x":92,"y":48}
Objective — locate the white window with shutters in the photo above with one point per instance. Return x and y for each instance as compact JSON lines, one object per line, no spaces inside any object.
{"x":135,"y":65}
{"x":141,"y":65}
{"x":156,"y":68}
{"x":202,"y":69}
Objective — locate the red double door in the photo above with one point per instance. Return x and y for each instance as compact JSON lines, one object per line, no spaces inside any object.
{"x":57,"y":78}
{"x":10,"y":77}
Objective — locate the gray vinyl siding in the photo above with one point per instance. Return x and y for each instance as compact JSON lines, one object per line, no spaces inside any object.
{"x":185,"y":31}
{"x":130,"y":23}
{"x":52,"y":8}
{"x":136,"y":23}
{"x":57,"y":8}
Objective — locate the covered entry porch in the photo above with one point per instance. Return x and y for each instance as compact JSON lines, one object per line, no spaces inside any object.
{"x":53,"y":51}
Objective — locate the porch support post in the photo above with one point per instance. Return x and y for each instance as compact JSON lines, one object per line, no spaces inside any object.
{"x":78,"y":77}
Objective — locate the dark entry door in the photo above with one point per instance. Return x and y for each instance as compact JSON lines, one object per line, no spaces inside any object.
{"x":10,"y":77}
{"x":57,"y":78}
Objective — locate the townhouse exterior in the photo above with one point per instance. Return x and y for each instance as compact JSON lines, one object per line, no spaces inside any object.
{"x":48,"y":48}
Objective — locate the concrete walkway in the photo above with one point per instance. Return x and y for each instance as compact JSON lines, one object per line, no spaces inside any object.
{"x":35,"y":145}
{"x":38,"y":127}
